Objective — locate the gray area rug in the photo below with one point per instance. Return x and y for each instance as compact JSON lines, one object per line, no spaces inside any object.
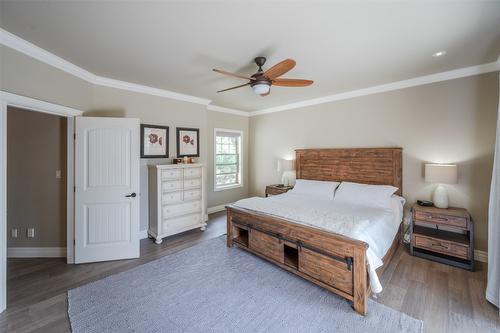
{"x":210,"y":288}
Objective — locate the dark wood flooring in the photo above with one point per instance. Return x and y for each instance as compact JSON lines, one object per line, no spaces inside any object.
{"x":447,"y":299}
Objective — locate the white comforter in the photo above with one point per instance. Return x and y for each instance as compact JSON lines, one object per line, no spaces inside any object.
{"x":375,"y":226}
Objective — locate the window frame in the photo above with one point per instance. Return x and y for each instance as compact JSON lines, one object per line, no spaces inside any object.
{"x":240,"y":160}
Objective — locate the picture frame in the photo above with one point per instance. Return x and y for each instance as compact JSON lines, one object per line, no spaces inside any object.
{"x":188,"y":142}
{"x":154,"y":141}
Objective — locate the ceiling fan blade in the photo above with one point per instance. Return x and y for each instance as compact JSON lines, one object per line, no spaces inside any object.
{"x":292,"y":82}
{"x":242,"y":85}
{"x":233,"y":74}
{"x":280,"y":68}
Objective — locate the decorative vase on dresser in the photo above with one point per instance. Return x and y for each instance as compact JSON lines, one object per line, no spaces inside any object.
{"x":176,"y":199}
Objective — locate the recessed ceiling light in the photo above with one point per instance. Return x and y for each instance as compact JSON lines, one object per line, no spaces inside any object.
{"x":439,"y":54}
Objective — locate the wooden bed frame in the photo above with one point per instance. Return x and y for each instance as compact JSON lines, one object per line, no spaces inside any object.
{"x":330,"y":260}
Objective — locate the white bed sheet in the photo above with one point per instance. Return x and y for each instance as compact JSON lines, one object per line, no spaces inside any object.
{"x":375,"y":226}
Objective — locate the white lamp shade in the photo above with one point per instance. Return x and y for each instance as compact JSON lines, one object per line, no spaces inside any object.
{"x":441,"y":173}
{"x":285,"y":165}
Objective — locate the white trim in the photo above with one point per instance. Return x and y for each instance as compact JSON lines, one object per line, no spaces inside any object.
{"x":240,"y":162}
{"x":14,"y":42}
{"x":3,"y":205}
{"x":481,"y":256}
{"x":9,"y":99}
{"x":139,"y":88}
{"x":216,"y":209}
{"x":417,"y":81}
{"x":70,"y":193}
{"x":10,"y":40}
{"x":143,"y":234}
{"x":212,"y":107}
{"x":38,"y":105}
{"x":36,"y":252}
{"x":227,"y":187}
{"x":17,"y":43}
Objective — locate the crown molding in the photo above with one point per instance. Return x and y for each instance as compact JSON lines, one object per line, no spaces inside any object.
{"x":212,"y":107}
{"x":17,"y":43}
{"x":12,"y":41}
{"x":417,"y":81}
{"x":139,"y":88}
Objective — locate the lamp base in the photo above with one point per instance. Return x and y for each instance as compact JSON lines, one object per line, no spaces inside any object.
{"x":288,"y":178}
{"x":440,"y":197}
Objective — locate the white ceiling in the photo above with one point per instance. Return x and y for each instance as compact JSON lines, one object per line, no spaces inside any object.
{"x":341,"y":45}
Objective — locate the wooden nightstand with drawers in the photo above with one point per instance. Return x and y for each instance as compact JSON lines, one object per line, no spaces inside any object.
{"x":275,"y":189}
{"x":443,"y":235}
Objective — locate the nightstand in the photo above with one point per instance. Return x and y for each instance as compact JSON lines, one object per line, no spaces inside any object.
{"x":275,"y":189}
{"x":444,"y":235}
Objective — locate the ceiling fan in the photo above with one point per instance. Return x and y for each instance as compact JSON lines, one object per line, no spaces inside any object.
{"x":261,"y":81}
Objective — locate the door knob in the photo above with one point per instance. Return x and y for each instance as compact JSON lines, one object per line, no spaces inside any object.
{"x":131,"y":195}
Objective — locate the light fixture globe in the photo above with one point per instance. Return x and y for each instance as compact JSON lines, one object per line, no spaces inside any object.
{"x":261,"y":88}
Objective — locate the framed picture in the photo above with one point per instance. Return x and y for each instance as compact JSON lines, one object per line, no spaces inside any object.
{"x":188,"y":142}
{"x":154,"y":141}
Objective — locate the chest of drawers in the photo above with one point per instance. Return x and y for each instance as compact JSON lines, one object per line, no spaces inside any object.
{"x":176,"y":199}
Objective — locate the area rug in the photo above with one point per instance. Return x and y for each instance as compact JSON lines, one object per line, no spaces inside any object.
{"x":210,"y":288}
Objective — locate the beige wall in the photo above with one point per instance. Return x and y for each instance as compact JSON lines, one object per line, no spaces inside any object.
{"x":452,"y":121}
{"x":226,"y":121}
{"x":26,"y":76}
{"x":36,"y":198}
{"x":110,"y":102}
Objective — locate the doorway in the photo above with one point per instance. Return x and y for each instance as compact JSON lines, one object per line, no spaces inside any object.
{"x":36,"y":192}
{"x":36,"y":184}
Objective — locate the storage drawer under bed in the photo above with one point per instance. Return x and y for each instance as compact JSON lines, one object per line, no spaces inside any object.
{"x":326,"y":269}
{"x":329,"y":269}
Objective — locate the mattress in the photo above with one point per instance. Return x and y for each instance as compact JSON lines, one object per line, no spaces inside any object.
{"x":375,"y":226}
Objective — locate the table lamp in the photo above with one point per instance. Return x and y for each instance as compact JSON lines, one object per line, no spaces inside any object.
{"x":441,"y":174}
{"x":287,"y":167}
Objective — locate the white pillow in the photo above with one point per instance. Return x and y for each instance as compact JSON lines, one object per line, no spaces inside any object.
{"x":315,"y":188}
{"x":365,"y":195}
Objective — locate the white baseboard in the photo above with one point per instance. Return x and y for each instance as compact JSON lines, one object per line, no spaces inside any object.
{"x":143,"y":234}
{"x":36,"y":252}
{"x":481,"y":256}
{"x":216,"y":209}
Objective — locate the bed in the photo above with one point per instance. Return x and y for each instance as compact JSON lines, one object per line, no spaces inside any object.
{"x":299,"y":243}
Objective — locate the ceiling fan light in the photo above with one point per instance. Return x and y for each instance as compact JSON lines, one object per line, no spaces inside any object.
{"x":261,"y":88}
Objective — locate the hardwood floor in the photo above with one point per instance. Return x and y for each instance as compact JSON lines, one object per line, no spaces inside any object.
{"x":447,"y":299}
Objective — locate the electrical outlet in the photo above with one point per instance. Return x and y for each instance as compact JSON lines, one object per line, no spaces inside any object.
{"x":58,"y":174}
{"x":13,"y":233}
{"x":31,"y":233}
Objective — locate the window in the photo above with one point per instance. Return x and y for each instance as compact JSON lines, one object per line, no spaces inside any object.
{"x":227,"y":159}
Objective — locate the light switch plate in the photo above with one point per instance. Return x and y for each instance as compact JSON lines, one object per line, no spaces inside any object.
{"x":31,"y":232}
{"x":58,"y":174}
{"x":13,"y":232}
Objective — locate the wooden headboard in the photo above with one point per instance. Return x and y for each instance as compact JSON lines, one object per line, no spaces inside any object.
{"x":378,"y":166}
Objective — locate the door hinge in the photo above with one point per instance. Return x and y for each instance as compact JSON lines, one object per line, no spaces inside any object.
{"x":74,"y":241}
{"x":74,"y":189}
{"x":74,"y":136}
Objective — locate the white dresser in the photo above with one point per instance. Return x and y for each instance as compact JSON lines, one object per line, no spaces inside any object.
{"x":176,"y":199}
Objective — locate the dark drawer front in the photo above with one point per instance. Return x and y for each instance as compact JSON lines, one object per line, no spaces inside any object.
{"x":275,"y":191}
{"x":455,"y":221}
{"x":266,"y":245}
{"x":441,"y":246}
{"x":325,"y":269}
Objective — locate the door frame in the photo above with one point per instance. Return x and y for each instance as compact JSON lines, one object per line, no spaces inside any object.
{"x":9,"y":99}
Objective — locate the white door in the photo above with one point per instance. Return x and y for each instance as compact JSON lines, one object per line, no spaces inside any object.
{"x":107,"y":189}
